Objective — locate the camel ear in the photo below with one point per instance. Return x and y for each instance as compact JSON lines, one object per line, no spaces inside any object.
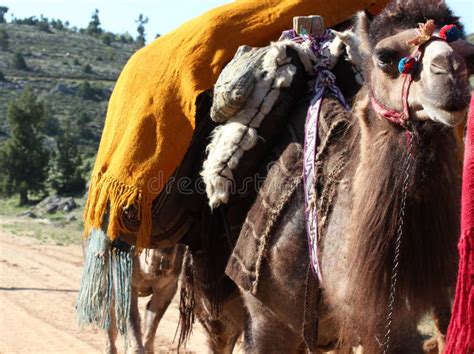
{"x":362,"y":27}
{"x":350,"y":40}
{"x":466,"y":50}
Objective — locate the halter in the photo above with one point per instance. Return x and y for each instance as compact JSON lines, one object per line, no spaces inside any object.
{"x":401,"y":118}
{"x":407,"y":67}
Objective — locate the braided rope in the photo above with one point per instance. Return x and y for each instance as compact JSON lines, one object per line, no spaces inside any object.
{"x":398,"y":243}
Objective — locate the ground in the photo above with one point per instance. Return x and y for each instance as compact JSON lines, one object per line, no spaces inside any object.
{"x":39,"y":281}
{"x":40,"y":270}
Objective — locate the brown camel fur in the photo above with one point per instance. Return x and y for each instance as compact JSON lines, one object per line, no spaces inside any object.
{"x":357,"y":239}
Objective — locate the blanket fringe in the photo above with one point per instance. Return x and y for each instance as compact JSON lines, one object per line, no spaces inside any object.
{"x":106,"y":282}
{"x":106,"y":194}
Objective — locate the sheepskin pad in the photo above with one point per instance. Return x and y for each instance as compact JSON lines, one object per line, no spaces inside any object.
{"x":271,"y":71}
{"x":245,"y":93}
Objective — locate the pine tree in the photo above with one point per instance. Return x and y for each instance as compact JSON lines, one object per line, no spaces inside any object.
{"x":67,"y":176}
{"x":23,"y":158}
{"x":83,"y":127}
{"x":4,"y":43}
{"x":142,"y":21}
{"x":93,"y":28}
{"x":3,"y":11}
{"x":43,"y":24}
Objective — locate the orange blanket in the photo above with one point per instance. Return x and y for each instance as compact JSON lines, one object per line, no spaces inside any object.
{"x":150,"y":118}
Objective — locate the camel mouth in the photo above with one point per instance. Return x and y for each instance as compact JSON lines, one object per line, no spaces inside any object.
{"x":451,"y":118}
{"x":448,"y":109}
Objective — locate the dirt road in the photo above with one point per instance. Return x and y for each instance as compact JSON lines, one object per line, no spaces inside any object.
{"x":38,"y":287}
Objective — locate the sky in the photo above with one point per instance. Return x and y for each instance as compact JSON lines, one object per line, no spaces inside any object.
{"x":119,"y":16}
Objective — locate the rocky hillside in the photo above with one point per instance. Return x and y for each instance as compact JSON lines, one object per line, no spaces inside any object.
{"x":73,"y":73}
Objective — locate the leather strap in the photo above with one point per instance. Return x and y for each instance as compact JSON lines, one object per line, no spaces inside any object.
{"x":311,"y":316}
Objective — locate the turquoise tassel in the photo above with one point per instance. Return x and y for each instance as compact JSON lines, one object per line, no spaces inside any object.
{"x":106,"y":280}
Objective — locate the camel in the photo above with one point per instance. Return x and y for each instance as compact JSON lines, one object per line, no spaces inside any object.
{"x":211,"y":236}
{"x":358,"y":231}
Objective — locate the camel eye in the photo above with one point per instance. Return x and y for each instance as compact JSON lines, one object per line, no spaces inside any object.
{"x":385,"y":58}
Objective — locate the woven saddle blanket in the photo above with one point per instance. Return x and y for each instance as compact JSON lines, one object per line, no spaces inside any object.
{"x":281,"y":185}
{"x":284,"y":178}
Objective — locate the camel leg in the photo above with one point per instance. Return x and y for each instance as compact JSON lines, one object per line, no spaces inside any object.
{"x":134,"y":331}
{"x":133,"y":327}
{"x":111,"y":335}
{"x":441,"y":316}
{"x":164,"y":286}
{"x":155,"y":309}
{"x":265,"y":333}
{"x":224,"y":329}
{"x":221,"y":337}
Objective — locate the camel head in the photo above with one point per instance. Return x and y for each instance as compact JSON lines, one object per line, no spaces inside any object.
{"x":157,"y":261}
{"x":410,"y":31}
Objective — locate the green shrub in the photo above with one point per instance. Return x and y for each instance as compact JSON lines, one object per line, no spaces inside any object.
{"x":125,"y":38}
{"x":57,"y":25}
{"x":87,"y":92}
{"x":110,"y":54}
{"x":19,"y":62}
{"x":44,"y":26}
{"x":29,"y":21}
{"x":107,"y":38}
{"x":87,"y":69}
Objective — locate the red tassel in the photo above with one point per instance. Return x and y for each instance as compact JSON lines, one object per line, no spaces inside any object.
{"x":460,"y":339}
